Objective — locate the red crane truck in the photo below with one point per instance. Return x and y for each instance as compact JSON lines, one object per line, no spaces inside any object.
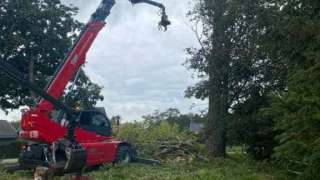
{"x":85,"y":140}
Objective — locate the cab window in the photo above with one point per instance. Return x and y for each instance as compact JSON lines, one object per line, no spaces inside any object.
{"x":95,"y":121}
{"x":98,"y":120}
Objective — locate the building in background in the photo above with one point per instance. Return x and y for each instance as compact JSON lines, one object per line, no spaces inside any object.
{"x":7,"y":132}
{"x":196,"y":127}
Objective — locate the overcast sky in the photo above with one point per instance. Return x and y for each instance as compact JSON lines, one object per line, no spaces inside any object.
{"x":139,"y":66}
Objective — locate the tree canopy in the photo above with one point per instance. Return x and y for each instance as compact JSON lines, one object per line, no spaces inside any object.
{"x":259,"y":65}
{"x":36,"y":43}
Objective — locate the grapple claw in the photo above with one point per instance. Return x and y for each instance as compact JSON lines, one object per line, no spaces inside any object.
{"x":69,"y":156}
{"x":164,"y":22}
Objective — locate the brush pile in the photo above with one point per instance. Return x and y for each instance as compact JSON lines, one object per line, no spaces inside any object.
{"x":176,"y":152}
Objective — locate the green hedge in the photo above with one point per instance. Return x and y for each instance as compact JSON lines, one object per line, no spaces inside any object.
{"x":10,"y":150}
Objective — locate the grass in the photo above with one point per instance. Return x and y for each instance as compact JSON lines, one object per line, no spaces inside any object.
{"x":236,"y":167}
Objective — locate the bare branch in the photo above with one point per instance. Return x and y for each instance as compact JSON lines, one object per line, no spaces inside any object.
{"x":198,"y":35}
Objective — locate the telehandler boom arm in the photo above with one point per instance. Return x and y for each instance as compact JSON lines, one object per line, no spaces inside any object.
{"x":77,"y":56}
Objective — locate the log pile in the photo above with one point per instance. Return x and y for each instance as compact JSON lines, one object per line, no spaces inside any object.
{"x":176,"y":152}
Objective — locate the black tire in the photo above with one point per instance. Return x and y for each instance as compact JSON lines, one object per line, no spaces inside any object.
{"x":124,"y":155}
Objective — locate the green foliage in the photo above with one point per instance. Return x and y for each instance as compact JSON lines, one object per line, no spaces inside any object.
{"x":297,"y":114}
{"x":85,"y":93}
{"x":10,"y":150}
{"x":5,"y":176}
{"x":35,"y":37}
{"x":18,"y":175}
{"x":40,"y":36}
{"x":250,"y":127}
{"x":296,"y":110}
{"x":174,"y":117}
{"x":147,"y":135}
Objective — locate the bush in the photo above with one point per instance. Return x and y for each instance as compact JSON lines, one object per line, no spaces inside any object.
{"x":250,"y":126}
{"x":10,"y":150}
{"x":297,"y":115}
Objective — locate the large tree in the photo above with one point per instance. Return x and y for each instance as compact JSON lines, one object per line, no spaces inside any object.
{"x":35,"y":37}
{"x":230,"y":62}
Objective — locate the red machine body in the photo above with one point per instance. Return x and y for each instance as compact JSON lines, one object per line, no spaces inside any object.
{"x":38,"y":127}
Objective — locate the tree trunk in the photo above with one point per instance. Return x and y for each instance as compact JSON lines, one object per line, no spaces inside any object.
{"x":218,"y":62}
{"x":216,"y":131}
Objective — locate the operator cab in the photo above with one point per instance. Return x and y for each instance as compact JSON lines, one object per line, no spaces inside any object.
{"x":95,"y":121}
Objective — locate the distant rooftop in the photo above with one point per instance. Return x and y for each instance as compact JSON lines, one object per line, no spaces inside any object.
{"x":196,"y":127}
{"x":7,"y":131}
